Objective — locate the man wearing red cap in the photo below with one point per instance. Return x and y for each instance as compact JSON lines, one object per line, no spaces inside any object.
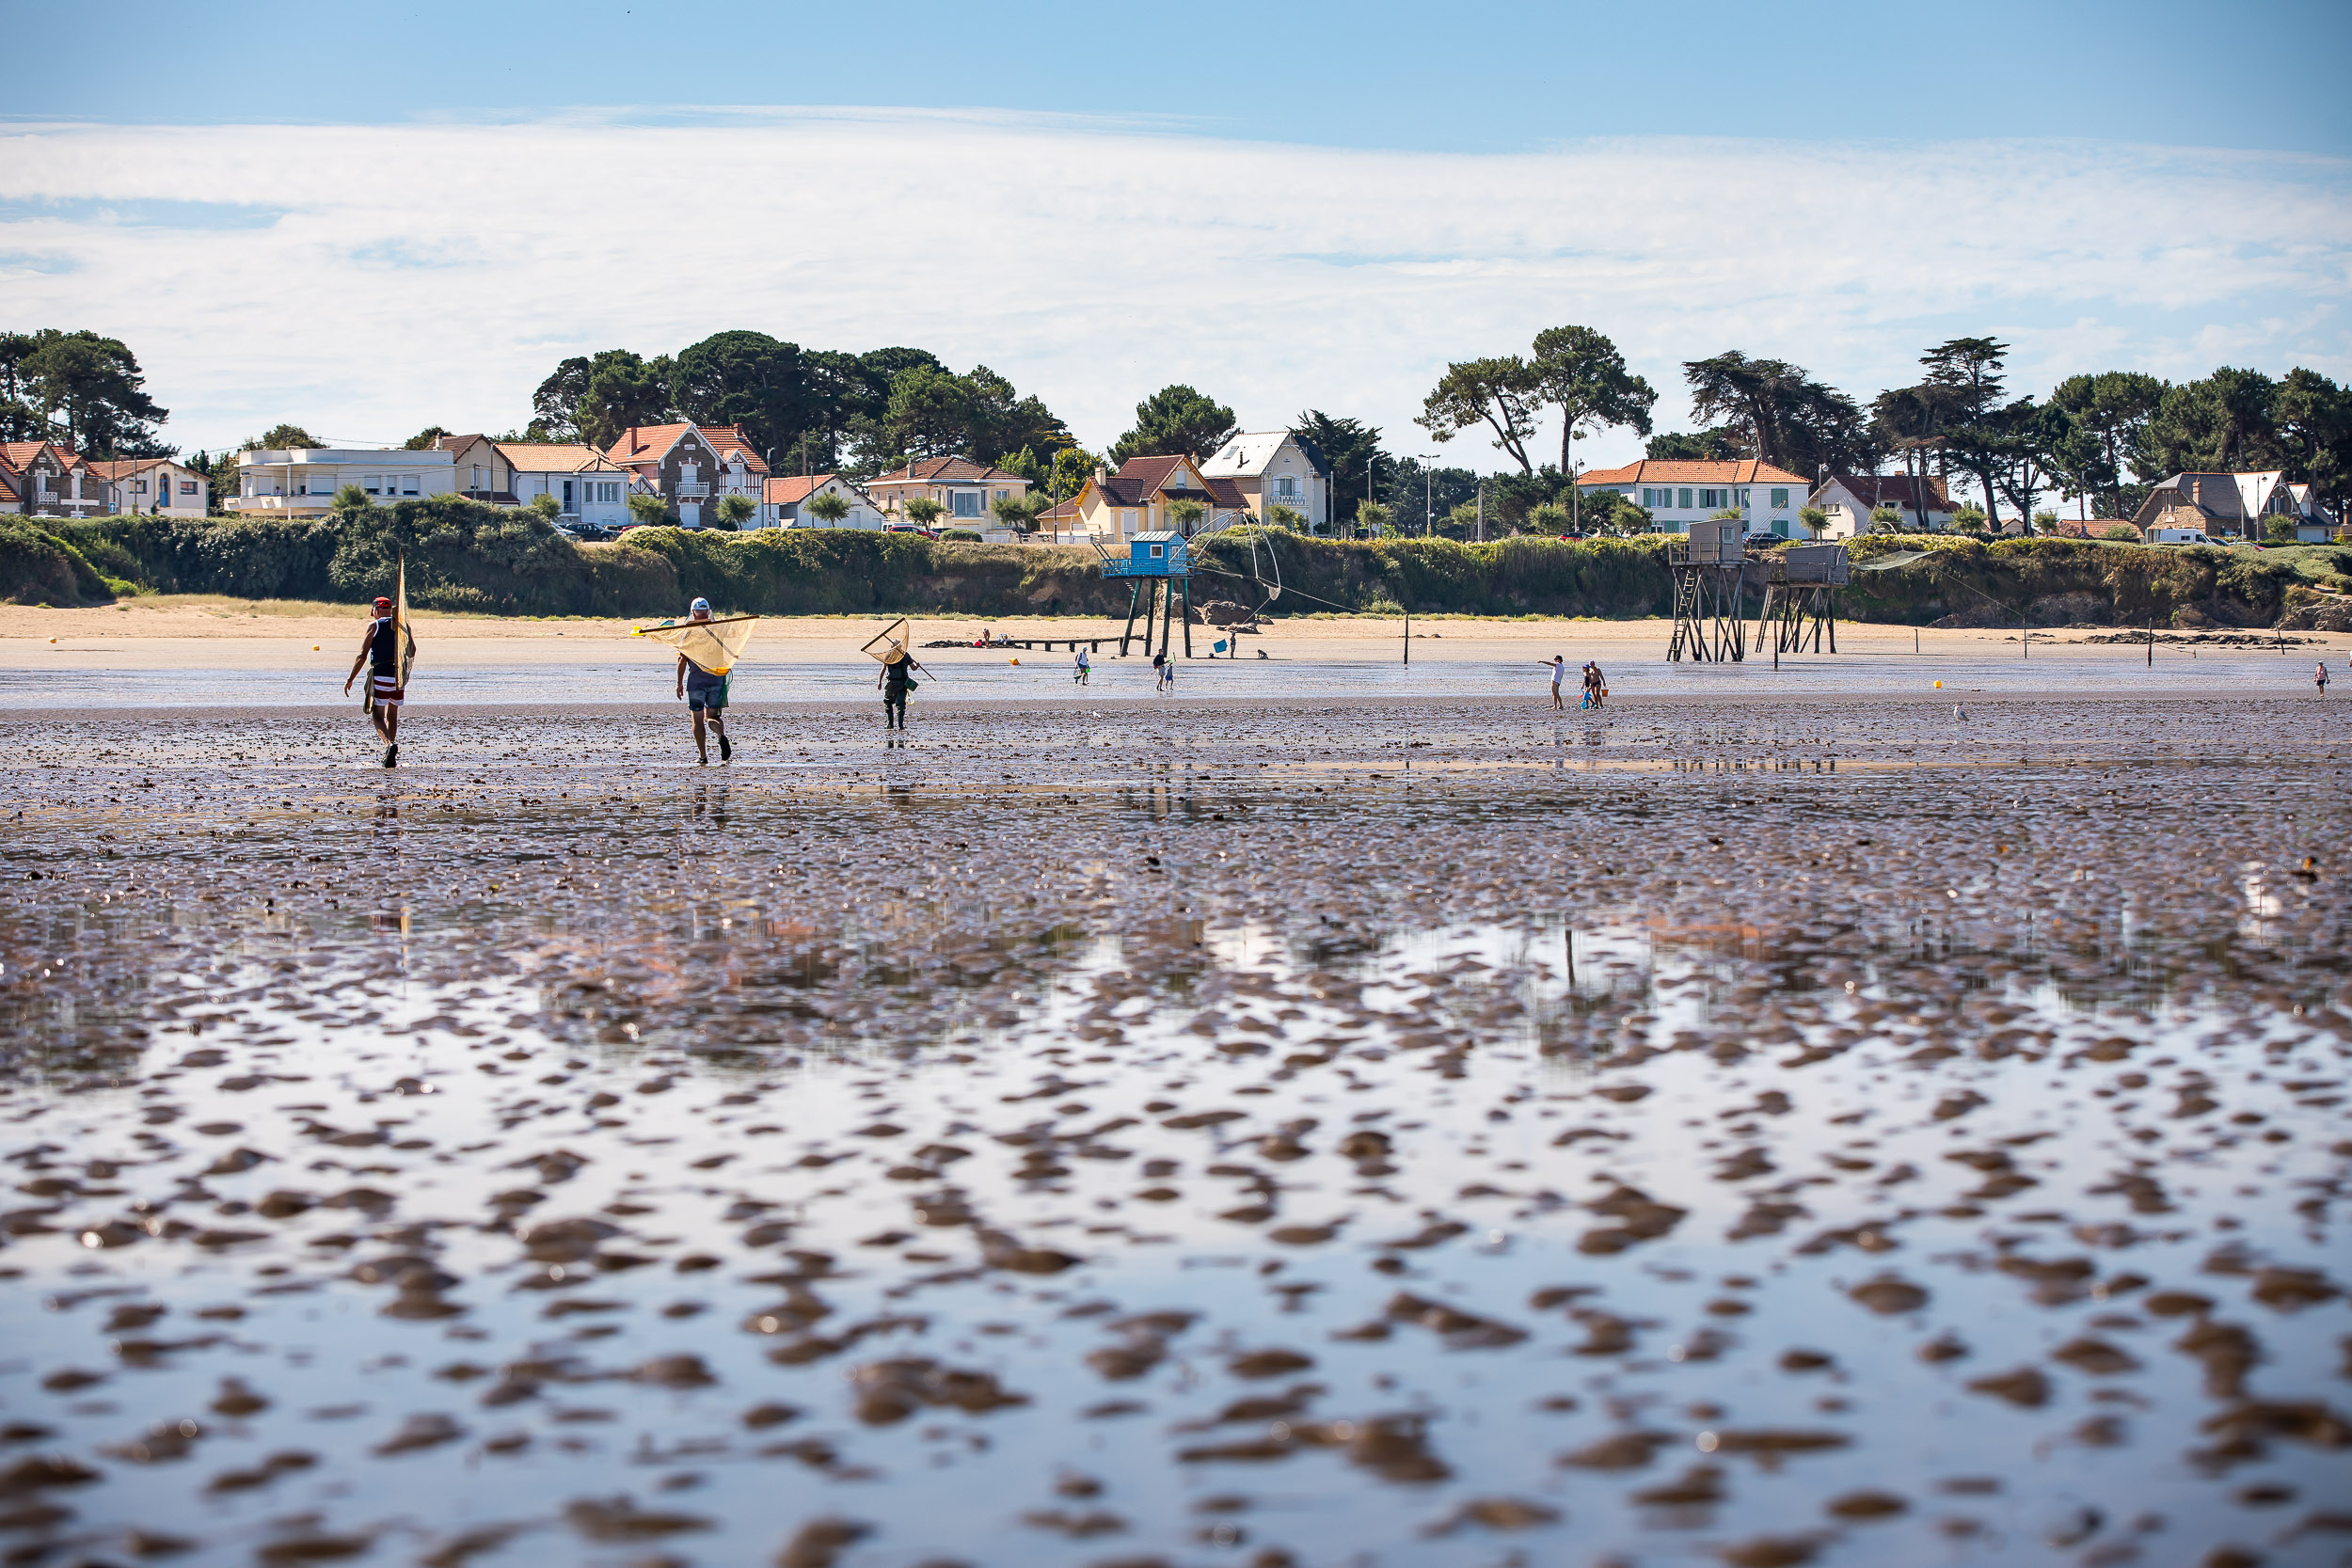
{"x":379,"y":650}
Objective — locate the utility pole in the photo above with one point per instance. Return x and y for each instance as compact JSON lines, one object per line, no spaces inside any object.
{"x":1428,"y":493}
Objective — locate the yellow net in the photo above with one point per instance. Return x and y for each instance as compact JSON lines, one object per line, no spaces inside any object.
{"x":890,"y":642}
{"x":711,"y":646}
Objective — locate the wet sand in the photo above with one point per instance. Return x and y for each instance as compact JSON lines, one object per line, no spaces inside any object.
{"x":1404,"y":1131}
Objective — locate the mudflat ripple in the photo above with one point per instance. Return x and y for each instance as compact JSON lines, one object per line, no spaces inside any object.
{"x":1311,"y":1133}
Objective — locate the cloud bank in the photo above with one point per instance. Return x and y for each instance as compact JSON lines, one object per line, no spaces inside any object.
{"x":365,"y":282}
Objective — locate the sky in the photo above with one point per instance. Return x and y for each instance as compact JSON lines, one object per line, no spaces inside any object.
{"x":368,"y":219}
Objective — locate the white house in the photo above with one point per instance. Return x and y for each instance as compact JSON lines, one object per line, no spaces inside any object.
{"x":1849,"y":500}
{"x":964,"y":490}
{"x":301,"y":481}
{"x":787,"y":500}
{"x":1678,"y":492}
{"x":589,"y":487}
{"x":155,"y":486}
{"x":1274,"y":467}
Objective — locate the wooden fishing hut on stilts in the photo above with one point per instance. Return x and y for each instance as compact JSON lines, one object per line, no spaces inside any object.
{"x":1709,"y":593}
{"x":1801,"y":599}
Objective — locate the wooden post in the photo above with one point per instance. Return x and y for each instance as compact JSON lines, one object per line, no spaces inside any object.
{"x":1188,"y":582}
{"x":1135,"y":598}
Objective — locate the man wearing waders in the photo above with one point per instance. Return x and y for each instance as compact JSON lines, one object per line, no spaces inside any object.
{"x":896,"y":675}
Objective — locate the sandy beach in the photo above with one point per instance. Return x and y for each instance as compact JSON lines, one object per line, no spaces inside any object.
{"x":178,"y":634}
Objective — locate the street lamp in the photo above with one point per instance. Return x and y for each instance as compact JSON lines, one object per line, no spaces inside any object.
{"x":1428,"y":491}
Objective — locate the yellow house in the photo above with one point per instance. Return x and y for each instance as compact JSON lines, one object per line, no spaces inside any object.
{"x":1138,"y":498}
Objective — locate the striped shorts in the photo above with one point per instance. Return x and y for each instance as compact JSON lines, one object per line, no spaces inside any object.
{"x":388,"y":691}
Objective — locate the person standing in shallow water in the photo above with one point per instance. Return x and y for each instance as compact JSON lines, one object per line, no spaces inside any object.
{"x":1081,"y":668}
{"x":1559,"y":674}
{"x":895,"y":677}
{"x":2319,"y":676}
{"x":706,"y":696}
{"x":379,"y":651}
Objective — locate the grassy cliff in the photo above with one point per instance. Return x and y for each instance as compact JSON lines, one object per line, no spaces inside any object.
{"x":466,"y":557}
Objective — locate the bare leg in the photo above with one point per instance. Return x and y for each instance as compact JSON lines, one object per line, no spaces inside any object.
{"x":701,"y":748}
{"x":719,"y":730}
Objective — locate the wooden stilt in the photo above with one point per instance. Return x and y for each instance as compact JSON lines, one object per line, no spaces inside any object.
{"x":1135,"y":599}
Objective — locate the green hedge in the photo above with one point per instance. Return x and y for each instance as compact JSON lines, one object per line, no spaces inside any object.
{"x":465,"y":556}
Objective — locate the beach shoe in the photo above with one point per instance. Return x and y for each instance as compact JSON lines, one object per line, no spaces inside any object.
{"x":726,"y":751}
{"x":391,"y":754}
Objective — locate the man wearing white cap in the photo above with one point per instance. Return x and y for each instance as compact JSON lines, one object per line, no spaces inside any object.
{"x":705,"y":694}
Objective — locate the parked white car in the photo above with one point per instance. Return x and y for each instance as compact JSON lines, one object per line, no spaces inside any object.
{"x":2177,"y":536}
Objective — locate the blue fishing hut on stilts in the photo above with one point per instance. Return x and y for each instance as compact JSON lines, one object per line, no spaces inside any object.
{"x":1160,"y":564}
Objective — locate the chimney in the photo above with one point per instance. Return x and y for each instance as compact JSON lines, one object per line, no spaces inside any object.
{"x":1101,"y":475}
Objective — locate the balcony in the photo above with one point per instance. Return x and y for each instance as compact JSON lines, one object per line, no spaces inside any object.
{"x":278,"y":503}
{"x":692,"y":492}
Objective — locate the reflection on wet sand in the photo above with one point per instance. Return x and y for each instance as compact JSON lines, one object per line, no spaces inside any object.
{"x":1320,"y":1137}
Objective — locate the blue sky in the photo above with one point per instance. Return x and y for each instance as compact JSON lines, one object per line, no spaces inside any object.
{"x":370,"y":218}
{"x":1504,"y":76}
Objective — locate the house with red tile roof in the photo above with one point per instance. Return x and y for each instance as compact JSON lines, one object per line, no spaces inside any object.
{"x":787,"y":500}
{"x":1677,"y":492}
{"x":966,"y":490}
{"x":680,"y":464}
{"x":50,"y":482}
{"x":1849,"y":500}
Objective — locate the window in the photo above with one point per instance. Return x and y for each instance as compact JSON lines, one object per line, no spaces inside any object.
{"x":964,"y":503}
{"x":1003,"y":495}
{"x":1744,"y":503}
{"x":409,"y":483}
{"x":372,"y":484}
{"x":138,"y":487}
{"x":1286,"y":488}
{"x":1686,"y":498}
{"x":1780,"y":500}
{"x":187,"y":487}
{"x":1158,"y":550}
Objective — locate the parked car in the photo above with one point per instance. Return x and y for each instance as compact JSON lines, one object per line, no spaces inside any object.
{"x":2177,"y":536}
{"x":910,"y":527}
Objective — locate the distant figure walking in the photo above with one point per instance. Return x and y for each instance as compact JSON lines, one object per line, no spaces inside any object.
{"x":1596,"y":686}
{"x":2319,"y":677}
{"x":1081,"y":668}
{"x":896,"y":678}
{"x":1559,"y":674}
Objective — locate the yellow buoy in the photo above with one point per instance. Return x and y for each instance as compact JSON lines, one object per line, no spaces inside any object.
{"x":1013,"y":662}
{"x":314,"y":647}
{"x":1939,"y":686}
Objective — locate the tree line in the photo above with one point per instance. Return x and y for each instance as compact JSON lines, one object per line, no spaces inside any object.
{"x":2103,"y":436}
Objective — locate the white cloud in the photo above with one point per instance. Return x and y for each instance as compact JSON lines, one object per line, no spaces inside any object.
{"x":433,"y":273}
